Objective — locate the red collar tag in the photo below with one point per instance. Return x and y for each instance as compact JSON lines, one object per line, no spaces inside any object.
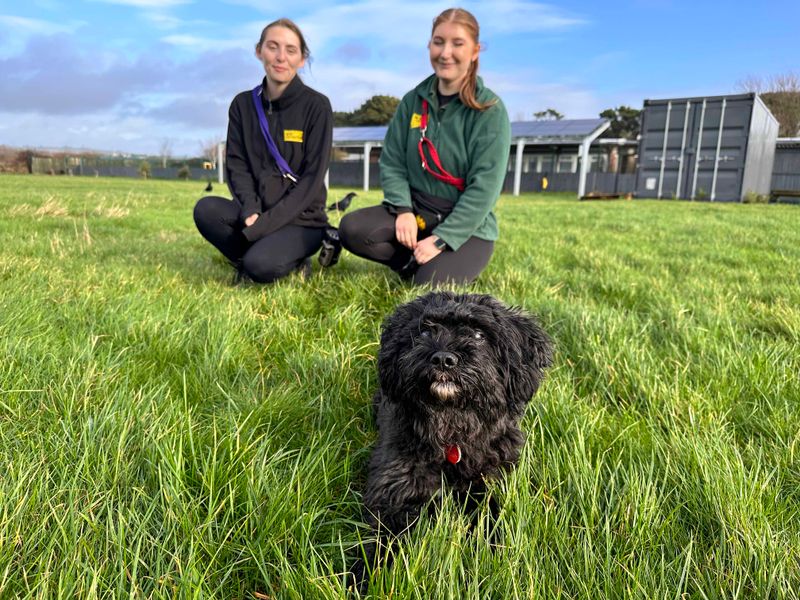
{"x":453,"y":454}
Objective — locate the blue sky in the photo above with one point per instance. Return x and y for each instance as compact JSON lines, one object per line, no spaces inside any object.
{"x":132,"y":75}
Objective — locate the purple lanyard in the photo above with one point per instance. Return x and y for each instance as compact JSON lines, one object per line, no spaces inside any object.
{"x":283,"y":166}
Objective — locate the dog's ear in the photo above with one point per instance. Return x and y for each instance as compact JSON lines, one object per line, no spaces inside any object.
{"x":397,"y":336}
{"x":525,"y":351}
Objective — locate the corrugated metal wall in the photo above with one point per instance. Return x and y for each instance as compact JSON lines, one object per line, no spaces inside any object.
{"x":786,"y":169}
{"x":760,"y":150}
{"x":705,"y":148}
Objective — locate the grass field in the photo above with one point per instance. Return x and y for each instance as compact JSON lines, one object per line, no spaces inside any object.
{"x":166,"y":435}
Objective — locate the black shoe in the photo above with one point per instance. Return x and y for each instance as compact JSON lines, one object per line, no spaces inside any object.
{"x":241,"y":278}
{"x":239,"y":275}
{"x":331,"y":247}
{"x":407,"y":271}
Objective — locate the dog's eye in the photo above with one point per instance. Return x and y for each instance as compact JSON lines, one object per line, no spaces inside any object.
{"x":478,"y":335}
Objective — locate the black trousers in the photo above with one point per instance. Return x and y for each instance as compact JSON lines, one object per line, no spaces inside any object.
{"x":369,"y":233}
{"x":266,"y":260}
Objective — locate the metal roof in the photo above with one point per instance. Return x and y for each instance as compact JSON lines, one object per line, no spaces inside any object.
{"x":565,"y":131}
{"x":788,"y":142}
{"x":745,"y":96}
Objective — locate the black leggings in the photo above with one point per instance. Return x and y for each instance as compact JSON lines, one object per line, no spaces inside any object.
{"x":272,"y":257}
{"x":369,"y":233}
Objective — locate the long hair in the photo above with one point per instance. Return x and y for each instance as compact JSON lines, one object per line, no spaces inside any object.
{"x":291,"y":26}
{"x":467,"y":20}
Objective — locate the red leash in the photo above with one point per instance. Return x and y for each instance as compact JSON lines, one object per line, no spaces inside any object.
{"x":424,"y":142}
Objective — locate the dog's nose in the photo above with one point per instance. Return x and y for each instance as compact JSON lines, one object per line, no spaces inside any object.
{"x":447,"y":360}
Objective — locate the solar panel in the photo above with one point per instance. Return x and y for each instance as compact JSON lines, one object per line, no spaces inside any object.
{"x":370,"y":133}
{"x":575,"y":129}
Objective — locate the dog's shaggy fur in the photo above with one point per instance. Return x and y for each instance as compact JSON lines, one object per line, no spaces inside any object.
{"x":456,"y":373}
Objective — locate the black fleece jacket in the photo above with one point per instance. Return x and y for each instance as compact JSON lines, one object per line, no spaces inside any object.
{"x":301,"y":123}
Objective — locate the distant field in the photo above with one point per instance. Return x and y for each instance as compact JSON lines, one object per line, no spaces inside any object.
{"x":166,"y":435}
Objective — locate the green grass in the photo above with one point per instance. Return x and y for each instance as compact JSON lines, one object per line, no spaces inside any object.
{"x":165,"y":435}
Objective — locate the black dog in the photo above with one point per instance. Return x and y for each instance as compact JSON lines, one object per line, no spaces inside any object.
{"x":456,"y":373}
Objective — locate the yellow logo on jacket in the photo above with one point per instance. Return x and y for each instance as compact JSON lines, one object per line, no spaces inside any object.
{"x":293,"y":135}
{"x":416,"y":119}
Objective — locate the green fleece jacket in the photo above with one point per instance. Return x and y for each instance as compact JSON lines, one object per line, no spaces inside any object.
{"x":471,"y":144}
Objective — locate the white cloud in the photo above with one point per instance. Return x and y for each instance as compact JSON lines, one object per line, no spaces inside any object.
{"x":203,"y":43}
{"x":390,"y":22}
{"x":15,"y":32}
{"x":37,"y":26}
{"x":180,"y":83}
{"x":103,"y":131}
{"x":348,"y":87}
{"x":164,"y":21}
{"x":515,"y":16}
{"x":47,"y":4}
{"x":275,"y":8}
{"x":146,"y":3}
{"x":397,"y":24}
{"x":524,"y":93}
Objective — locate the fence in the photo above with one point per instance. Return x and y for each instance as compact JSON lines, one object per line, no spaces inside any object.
{"x":101,"y":167}
{"x":605,"y":183}
{"x":195,"y":173}
{"x":351,"y":174}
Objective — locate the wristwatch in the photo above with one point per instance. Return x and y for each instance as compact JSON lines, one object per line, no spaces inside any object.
{"x":440,"y":244}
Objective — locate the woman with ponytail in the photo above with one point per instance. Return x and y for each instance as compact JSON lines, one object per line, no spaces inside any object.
{"x":443,"y":165}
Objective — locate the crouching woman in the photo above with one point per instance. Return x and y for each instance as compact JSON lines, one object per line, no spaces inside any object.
{"x":278,"y":149}
{"x":443,"y":165}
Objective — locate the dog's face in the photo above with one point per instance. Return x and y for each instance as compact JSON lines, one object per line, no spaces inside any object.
{"x":462,"y":351}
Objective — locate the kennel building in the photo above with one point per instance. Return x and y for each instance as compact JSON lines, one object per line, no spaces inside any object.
{"x":566,"y":154}
{"x":717,"y":148}
{"x":786,"y":171}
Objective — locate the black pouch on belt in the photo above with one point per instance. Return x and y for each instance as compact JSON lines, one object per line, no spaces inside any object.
{"x":429,"y":210}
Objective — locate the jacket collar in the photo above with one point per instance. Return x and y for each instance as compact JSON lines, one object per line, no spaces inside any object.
{"x":292,"y":91}
{"x":427,"y":89}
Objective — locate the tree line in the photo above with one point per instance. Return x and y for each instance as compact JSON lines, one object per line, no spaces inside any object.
{"x":781,"y":94}
{"x":377,"y":110}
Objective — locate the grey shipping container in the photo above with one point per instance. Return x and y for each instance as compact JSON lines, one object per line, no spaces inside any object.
{"x":712,"y":148}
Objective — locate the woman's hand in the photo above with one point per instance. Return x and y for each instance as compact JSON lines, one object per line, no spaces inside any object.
{"x":426,"y":250}
{"x":250,"y":220}
{"x":405,"y":229}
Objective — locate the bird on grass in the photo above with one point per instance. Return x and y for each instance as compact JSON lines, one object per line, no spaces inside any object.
{"x":342,"y":204}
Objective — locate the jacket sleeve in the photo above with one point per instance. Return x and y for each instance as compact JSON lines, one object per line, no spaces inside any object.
{"x":488,"y":162}
{"x":394,"y":168}
{"x":241,"y":181}
{"x":310,"y":177}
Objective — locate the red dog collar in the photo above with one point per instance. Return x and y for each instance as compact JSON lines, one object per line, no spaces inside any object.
{"x":453,"y":454}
